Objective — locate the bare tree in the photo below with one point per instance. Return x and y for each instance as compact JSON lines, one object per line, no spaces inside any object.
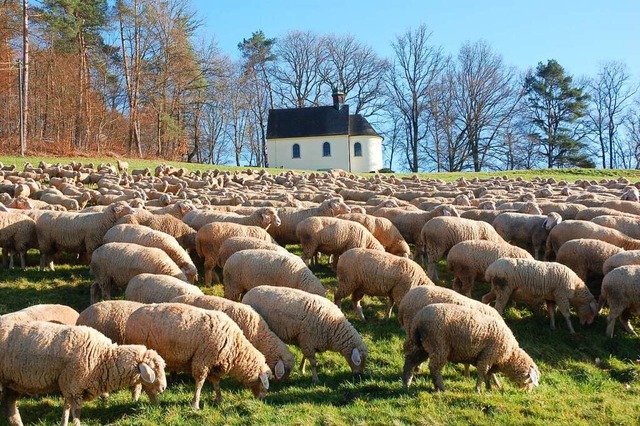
{"x":416,"y":66}
{"x":299,"y":71}
{"x":610,"y":94}
{"x":24,"y":111}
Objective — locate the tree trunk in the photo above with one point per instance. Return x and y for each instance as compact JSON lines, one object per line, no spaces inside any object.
{"x":25,"y":78}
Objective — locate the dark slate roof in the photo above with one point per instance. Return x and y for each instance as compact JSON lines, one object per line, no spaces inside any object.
{"x":359,"y":126}
{"x":302,"y":122}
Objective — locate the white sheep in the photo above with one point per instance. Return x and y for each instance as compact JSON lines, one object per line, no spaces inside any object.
{"x":236,"y":244}
{"x":205,"y":343}
{"x":264,"y":217}
{"x":443,"y":232}
{"x":374,"y":273}
{"x":183,"y":233}
{"x":627,"y":225}
{"x":383,"y":230}
{"x":446,"y":332}
{"x":155,"y":288}
{"x":41,"y":357}
{"x":525,"y":230}
{"x":250,"y":268}
{"x":115,"y":264}
{"x":630,"y":257}
{"x":468,"y":260}
{"x":586,"y":257}
{"x":60,"y":314}
{"x":17,"y":235}
{"x":145,"y":236}
{"x":557,"y":284}
{"x":620,"y":290}
{"x":309,"y":321}
{"x":278,"y":356}
{"x":109,"y":317}
{"x":333,"y":236}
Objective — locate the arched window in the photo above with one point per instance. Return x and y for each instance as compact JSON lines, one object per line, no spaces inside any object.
{"x":326,"y":149}
{"x":296,"y":150}
{"x":357,"y":149}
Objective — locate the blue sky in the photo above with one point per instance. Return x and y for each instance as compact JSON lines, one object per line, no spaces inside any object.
{"x":578,"y":34}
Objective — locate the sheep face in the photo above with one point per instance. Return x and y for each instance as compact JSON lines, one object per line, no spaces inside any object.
{"x":552,"y":220}
{"x":587,"y":312}
{"x":356,"y":360}
{"x":270,"y":217}
{"x":338,"y":206}
{"x":260,"y":386}
{"x":152,"y":376}
{"x":522,"y":370}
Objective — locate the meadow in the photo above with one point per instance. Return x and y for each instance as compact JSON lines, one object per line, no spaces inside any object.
{"x":587,"y":378}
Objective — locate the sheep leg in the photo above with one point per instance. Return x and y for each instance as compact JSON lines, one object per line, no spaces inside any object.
{"x":303,"y":364}
{"x":466,"y":370}
{"x":12,"y":257}
{"x":483,"y":368}
{"x":502,"y":298}
{"x":489,"y":297}
{"x":435,"y":368}
{"x":356,"y":300}
{"x":5,"y":258}
{"x":611,"y":322}
{"x":495,"y":380}
{"x":23,"y":260}
{"x":136,"y":391}
{"x":314,"y":370}
{"x":215,"y":381}
{"x":200,"y":379}
{"x":95,"y":292}
{"x":412,"y":361}
{"x":392,"y":303}
{"x":65,"y":413}
{"x":10,"y":408}
{"x":624,"y":320}
{"x":76,"y":406}
{"x":551,"y":309}
{"x":563,"y":307}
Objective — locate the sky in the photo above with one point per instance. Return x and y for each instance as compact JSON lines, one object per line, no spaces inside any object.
{"x":580,"y":35}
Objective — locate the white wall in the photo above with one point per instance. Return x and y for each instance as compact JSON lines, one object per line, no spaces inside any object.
{"x":280,"y":153}
{"x":371,"y":154}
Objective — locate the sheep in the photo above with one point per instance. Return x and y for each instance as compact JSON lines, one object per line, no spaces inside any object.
{"x":446,"y":332}
{"x":236,"y":244}
{"x":632,"y":207}
{"x":574,"y":229}
{"x":75,"y":232}
{"x":115,"y":264}
{"x":177,"y":210}
{"x":421,"y":296}
{"x":629,"y":226}
{"x":183,"y":233}
{"x":592,"y":212}
{"x":211,"y":236}
{"x":278,"y":356}
{"x":410,"y":223}
{"x":333,"y":236}
{"x":154,"y":288}
{"x":41,"y":357}
{"x":123,"y":166}
{"x":620,"y":290}
{"x":533,"y":279}
{"x":374,"y":273}
{"x":60,"y":199}
{"x":630,"y":257}
{"x":60,"y":314}
{"x":309,"y":321}
{"x":567,"y":211}
{"x":468,"y":260}
{"x":109,"y":317}
{"x":144,"y":236}
{"x":527,"y":231}
{"x":206,"y":343}
{"x":249,"y":268}
{"x":442,"y":233}
{"x":383,"y":230}
{"x":291,"y":216}
{"x":586,"y":258}
{"x":263,"y":217}
{"x":17,"y":235}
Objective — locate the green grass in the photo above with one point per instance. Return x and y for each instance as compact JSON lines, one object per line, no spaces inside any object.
{"x":586,"y":378}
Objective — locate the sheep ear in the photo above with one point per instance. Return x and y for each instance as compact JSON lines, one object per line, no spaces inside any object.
{"x":147,"y":374}
{"x":264,"y":378}
{"x":535,"y":377}
{"x":279,"y":369}
{"x":355,"y":356}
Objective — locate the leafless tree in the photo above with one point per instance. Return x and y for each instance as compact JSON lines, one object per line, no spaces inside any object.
{"x":416,"y":66}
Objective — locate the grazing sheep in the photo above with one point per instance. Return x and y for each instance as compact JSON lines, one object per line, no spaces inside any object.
{"x":442,"y":233}
{"x":368,"y":272}
{"x":57,"y":198}
{"x":383,"y":230}
{"x":567,"y":211}
{"x":555,"y":283}
{"x":123,"y":166}
{"x":177,"y":210}
{"x":278,"y":356}
{"x":629,"y":226}
{"x":333,"y":236}
{"x":115,"y":264}
{"x":109,"y":317}
{"x":621,"y":291}
{"x":468,"y":260}
{"x":183,"y":233}
{"x":586,"y":258}
{"x":153,"y":288}
{"x":75,"y":232}
{"x":527,"y":231}
{"x":632,"y":207}
{"x":17,"y":235}
{"x":211,"y":236}
{"x":630,"y":257}
{"x":309,"y":321}
{"x":41,"y":357}
{"x":206,"y":343}
{"x":60,"y":314}
{"x":144,"y":236}
{"x":250,"y":268}
{"x":574,"y":229}
{"x":445,"y":332}
{"x":263,"y":217}
{"x":235,"y":244}
{"x":291,"y":216}
{"x":593,"y":212}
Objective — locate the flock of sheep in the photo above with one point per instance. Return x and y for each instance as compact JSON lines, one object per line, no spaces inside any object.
{"x":543,"y":242}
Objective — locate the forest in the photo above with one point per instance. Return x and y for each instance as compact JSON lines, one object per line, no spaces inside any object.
{"x":138,"y":78}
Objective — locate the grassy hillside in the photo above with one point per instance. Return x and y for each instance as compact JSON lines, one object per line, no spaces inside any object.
{"x":586,"y":378}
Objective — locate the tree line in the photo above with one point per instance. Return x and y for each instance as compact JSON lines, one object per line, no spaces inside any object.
{"x":136,"y":78}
